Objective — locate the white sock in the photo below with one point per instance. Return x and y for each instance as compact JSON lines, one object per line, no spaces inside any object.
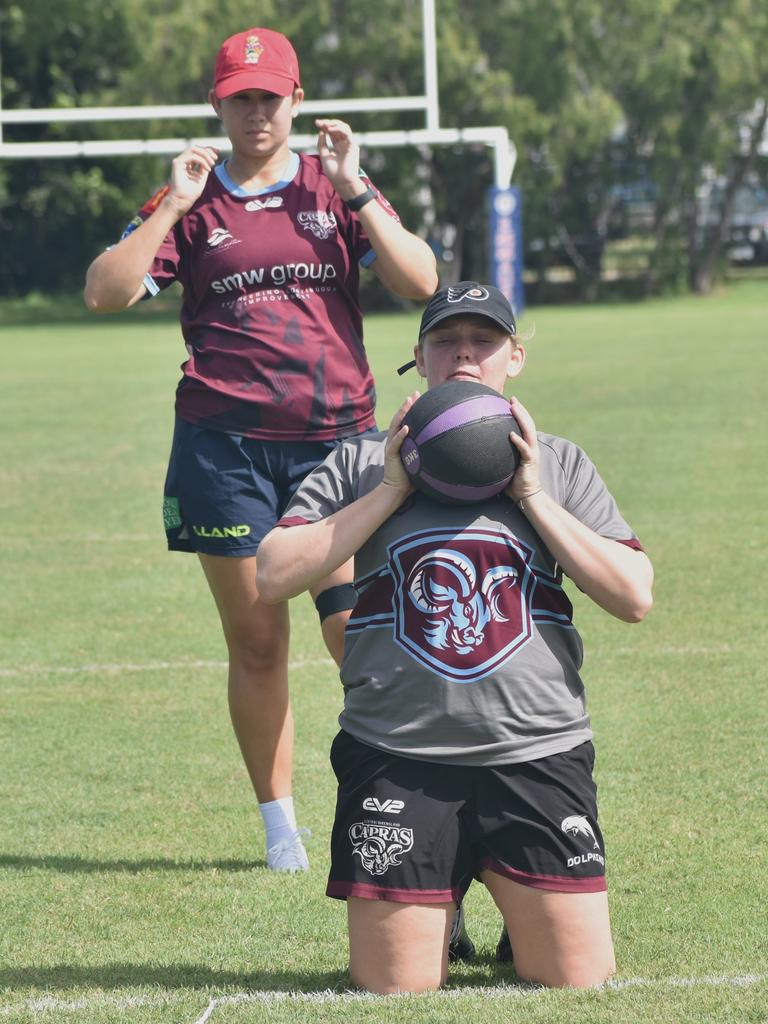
{"x":279,"y":819}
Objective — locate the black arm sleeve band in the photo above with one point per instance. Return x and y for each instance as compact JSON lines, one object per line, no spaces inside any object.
{"x":335,"y":599}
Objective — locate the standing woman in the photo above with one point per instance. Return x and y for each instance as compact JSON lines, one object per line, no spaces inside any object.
{"x":266,"y":246}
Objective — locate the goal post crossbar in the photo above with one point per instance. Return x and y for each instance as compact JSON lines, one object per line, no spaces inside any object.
{"x":170,"y":111}
{"x":497,"y":138}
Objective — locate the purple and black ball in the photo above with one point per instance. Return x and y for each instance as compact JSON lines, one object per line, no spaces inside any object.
{"x":458,"y":450}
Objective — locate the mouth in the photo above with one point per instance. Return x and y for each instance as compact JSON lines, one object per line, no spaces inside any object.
{"x":464,"y":375}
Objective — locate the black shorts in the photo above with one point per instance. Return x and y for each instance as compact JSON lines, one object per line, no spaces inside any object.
{"x":419,"y":832}
{"x":225,"y":492}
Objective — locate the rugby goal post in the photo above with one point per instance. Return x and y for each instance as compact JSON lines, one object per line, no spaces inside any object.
{"x":503,"y":202}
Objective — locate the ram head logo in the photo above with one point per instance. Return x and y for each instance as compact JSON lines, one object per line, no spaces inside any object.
{"x":577,"y":825}
{"x":443,"y":585}
{"x":380,"y":848}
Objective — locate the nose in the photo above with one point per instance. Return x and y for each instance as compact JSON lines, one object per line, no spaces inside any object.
{"x":258,"y":110}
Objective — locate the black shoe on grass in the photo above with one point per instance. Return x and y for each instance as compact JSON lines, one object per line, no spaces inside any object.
{"x":504,"y":948}
{"x":460,"y":946}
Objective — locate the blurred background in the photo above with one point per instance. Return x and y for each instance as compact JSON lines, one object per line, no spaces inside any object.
{"x":640,"y":128}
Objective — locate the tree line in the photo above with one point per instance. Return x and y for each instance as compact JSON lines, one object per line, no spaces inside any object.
{"x":624,"y":115}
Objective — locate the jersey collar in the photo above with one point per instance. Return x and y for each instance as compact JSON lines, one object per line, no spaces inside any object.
{"x":287,"y":175}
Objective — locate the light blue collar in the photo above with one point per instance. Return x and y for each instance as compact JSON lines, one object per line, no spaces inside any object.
{"x":287,"y":175}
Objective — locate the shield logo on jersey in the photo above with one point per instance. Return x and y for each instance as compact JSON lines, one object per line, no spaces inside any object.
{"x":462,"y":601}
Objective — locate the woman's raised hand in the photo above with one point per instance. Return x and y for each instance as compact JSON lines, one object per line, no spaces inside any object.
{"x":339,"y":155}
{"x":189,"y":173}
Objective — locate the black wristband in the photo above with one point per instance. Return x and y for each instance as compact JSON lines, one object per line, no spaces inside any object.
{"x":358,"y":202}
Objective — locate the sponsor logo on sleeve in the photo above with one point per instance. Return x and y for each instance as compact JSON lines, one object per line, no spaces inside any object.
{"x":152,"y":204}
{"x":131,"y":227}
{"x":219,"y":235}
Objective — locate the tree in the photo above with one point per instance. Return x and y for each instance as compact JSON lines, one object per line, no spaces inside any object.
{"x":596,"y":96}
{"x":690,"y":79}
{"x":50,"y":210}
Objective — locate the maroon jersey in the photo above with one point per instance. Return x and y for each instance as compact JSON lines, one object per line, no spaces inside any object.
{"x":270,"y":312}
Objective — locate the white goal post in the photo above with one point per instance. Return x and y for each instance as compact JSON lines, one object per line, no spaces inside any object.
{"x":497,"y":138}
{"x":504,"y":206}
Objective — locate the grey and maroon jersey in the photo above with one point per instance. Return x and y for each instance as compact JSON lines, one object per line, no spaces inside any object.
{"x":270,"y":312}
{"x":461,"y":647}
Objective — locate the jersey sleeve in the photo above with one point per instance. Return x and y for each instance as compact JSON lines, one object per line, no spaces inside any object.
{"x":164,"y":268}
{"x":588,"y":499}
{"x":364,"y":253}
{"x":325,"y":490}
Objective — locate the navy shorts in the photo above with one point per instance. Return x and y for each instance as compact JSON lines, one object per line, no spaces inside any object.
{"x":224,"y":492}
{"x":418,"y":832}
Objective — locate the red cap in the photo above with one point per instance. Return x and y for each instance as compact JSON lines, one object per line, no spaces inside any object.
{"x":256,"y":59}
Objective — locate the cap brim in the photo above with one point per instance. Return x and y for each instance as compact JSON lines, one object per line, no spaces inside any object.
{"x":446,"y":314}
{"x":242,"y":80}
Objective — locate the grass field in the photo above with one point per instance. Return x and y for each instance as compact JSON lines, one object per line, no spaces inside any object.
{"x":132,"y":881}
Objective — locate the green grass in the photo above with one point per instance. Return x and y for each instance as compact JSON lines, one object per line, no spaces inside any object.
{"x":132,"y":880}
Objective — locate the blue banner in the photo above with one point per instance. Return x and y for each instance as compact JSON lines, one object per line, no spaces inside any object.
{"x":505,"y":231}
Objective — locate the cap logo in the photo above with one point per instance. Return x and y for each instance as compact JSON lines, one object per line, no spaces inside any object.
{"x":458,"y":294}
{"x":253,"y":50}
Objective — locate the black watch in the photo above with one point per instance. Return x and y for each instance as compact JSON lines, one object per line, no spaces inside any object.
{"x":358,"y":202}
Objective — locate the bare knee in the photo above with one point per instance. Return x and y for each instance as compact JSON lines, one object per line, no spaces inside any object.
{"x":257,"y":638}
{"x":257,"y":652}
{"x":384,"y":983}
{"x":575,"y":973}
{"x":398,"y":947}
{"x":558,"y":939}
{"x":256,"y":634}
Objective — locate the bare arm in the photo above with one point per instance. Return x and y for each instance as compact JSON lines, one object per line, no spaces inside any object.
{"x":616,"y":577}
{"x":404,"y":262}
{"x":291,"y":559}
{"x":115,"y":279}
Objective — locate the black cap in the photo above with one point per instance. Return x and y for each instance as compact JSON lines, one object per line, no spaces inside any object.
{"x":467,"y":298}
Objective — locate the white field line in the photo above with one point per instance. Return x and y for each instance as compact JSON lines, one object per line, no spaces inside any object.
{"x":146,"y":666}
{"x":491,"y":992}
{"x":50,"y":1004}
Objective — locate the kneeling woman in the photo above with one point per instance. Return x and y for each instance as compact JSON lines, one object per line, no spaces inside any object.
{"x":465,"y":748}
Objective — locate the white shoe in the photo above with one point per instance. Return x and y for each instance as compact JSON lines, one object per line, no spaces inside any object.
{"x":289,"y":854}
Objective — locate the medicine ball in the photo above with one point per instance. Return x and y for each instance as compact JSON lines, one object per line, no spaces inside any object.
{"x":458,"y":449}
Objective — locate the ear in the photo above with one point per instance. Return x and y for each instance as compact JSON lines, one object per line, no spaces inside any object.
{"x":516,"y":361}
{"x":298,"y":97}
{"x":418,"y":355}
{"x":215,"y":103}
